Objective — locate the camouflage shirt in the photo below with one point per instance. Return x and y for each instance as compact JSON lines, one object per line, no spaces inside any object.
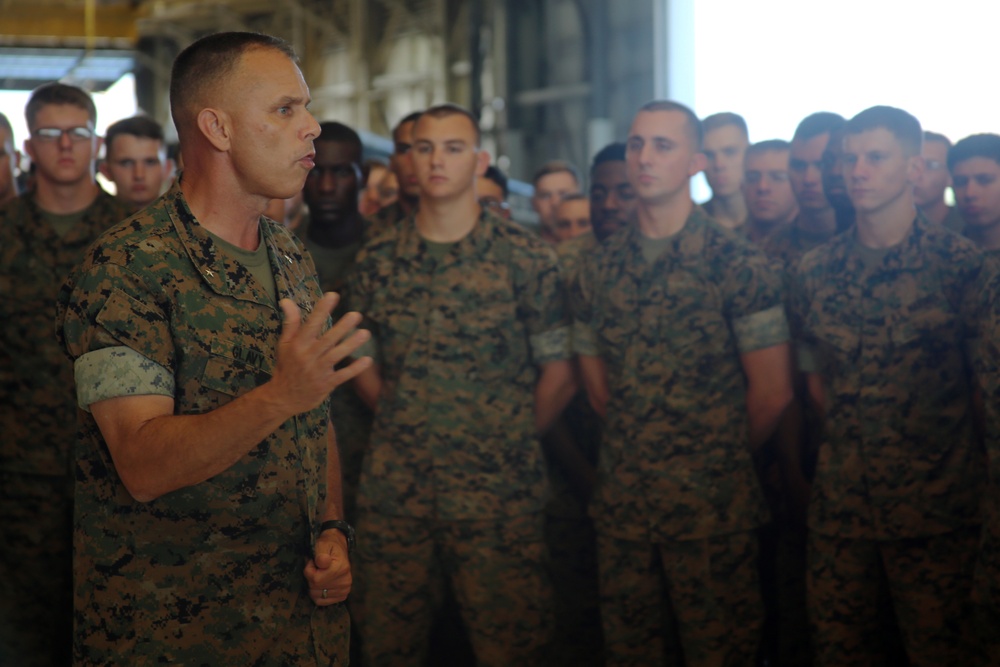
{"x":384,"y":219}
{"x":572,"y":253}
{"x":789,"y":243}
{"x":459,"y":341}
{"x":675,"y":460}
{"x":987,"y":370}
{"x":888,"y":333}
{"x":211,"y":573}
{"x":37,"y":405}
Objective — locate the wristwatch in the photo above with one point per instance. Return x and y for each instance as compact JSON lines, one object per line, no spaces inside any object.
{"x":344,"y":527}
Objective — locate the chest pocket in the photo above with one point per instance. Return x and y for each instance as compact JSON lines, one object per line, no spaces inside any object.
{"x":837,"y":338}
{"x":234,"y":368}
{"x":926,"y":328}
{"x":497,"y":337}
{"x":691,"y":322}
{"x":616,"y":321}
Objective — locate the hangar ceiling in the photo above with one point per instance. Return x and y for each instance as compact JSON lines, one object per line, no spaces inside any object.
{"x":546,"y":76}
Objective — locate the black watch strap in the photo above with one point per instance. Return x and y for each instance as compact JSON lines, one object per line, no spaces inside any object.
{"x":344,"y":527}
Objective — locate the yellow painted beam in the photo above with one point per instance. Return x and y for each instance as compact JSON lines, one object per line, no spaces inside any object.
{"x":114,"y":22}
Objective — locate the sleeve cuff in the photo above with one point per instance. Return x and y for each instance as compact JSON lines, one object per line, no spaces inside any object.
{"x":368,"y":349}
{"x":119,"y":371}
{"x":765,"y":328}
{"x":552,"y":345}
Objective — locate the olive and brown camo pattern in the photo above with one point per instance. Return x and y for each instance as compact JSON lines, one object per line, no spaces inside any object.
{"x":571,"y":254}
{"x":789,"y":243}
{"x":927,"y":582}
{"x":711,"y":617}
{"x":37,"y":402}
{"x":496,"y":568}
{"x":459,"y":341}
{"x":987,"y":369}
{"x":890,"y":339}
{"x":385,"y":220}
{"x":675,"y":460}
{"x":900,"y":472}
{"x":212,"y":573}
{"x":38,"y":422}
{"x":677,"y":497}
{"x":454,"y":449}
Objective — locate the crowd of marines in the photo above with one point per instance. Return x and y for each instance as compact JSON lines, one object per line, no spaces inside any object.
{"x":759,"y":431}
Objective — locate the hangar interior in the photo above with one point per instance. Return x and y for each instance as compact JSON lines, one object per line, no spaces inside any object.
{"x":545,"y":76}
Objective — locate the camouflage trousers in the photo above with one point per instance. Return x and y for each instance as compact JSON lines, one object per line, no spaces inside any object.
{"x":929,"y":580}
{"x":709,"y":588}
{"x":497,"y":569}
{"x":36,"y":593}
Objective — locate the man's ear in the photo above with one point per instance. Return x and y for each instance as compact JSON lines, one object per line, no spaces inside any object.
{"x":914,"y":168}
{"x":365,"y":171}
{"x":482,"y":161}
{"x":102,"y":166}
{"x":214,"y":125}
{"x":699,"y":163}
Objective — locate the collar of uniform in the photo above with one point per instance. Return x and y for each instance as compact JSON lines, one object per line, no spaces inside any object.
{"x":908,"y":254}
{"x":689,"y":239}
{"x":104,"y":212}
{"x":212,"y":264}
{"x":476,"y":243}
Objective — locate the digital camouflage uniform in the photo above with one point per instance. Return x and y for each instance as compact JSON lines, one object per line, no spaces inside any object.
{"x":38,"y":422}
{"x":210,"y":574}
{"x":572,"y":253}
{"x":900,"y":472}
{"x":351,"y":417}
{"x":453,"y":484}
{"x":677,"y":484}
{"x":789,"y":243}
{"x":384,"y":219}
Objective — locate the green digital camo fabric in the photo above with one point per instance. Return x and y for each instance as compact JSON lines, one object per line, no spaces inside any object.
{"x":899,"y":458}
{"x":675,"y":461}
{"x":789,"y":243}
{"x":714,"y":595}
{"x":210,"y":574}
{"x":37,"y":403}
{"x":496,"y":569}
{"x":929,"y":580}
{"x":38,"y":427}
{"x":987,"y":369}
{"x":459,"y":342}
{"x":572,"y":253}
{"x":384,"y":220}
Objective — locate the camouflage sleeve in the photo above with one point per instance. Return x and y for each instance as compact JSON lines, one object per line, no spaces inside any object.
{"x":583,"y":337}
{"x":542,"y":305}
{"x":110,"y":306}
{"x":977,"y":280}
{"x":754,"y":301}
{"x":111,"y":372}
{"x":764,"y":328}
{"x":798,"y":305}
{"x":359,"y":295}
